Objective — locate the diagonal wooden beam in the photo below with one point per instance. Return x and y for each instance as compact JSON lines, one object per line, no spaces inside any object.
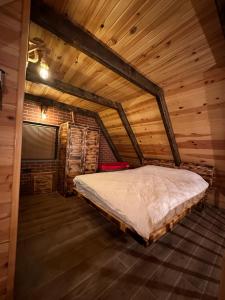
{"x":168,"y":127}
{"x":129,"y":131}
{"x":79,"y":38}
{"x":50,"y":102}
{"x":32,"y":76}
{"x":107,"y":137}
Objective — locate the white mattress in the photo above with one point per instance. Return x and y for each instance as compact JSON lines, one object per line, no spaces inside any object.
{"x":142,"y":197}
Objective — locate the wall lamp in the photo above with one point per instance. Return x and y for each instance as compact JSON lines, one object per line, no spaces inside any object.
{"x":44,"y":109}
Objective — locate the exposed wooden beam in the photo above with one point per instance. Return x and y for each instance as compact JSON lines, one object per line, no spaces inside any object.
{"x":168,"y":127}
{"x":107,"y":137}
{"x":79,"y":38}
{"x":78,"y":92}
{"x":69,"y":89}
{"x":129,"y":131}
{"x":220,"y":5}
{"x":82,"y":111}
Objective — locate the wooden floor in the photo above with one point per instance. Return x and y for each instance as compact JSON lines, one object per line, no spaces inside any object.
{"x":66,"y":250}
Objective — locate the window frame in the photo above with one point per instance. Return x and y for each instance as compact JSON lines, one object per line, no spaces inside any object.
{"x":56,"y":143}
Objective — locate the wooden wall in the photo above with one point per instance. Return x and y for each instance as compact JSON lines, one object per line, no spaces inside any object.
{"x":14,"y":18}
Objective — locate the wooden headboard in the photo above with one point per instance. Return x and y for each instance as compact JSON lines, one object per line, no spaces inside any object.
{"x":207,"y":172}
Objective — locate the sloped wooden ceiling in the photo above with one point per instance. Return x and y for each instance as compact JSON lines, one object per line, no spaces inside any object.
{"x":177,"y":44}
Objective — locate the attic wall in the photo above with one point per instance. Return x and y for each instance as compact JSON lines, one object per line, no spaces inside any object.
{"x":13,"y":46}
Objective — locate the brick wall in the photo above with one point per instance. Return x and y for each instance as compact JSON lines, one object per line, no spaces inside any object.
{"x":55,"y":116}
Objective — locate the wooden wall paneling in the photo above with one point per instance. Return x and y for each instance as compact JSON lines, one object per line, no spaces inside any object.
{"x":14,"y":20}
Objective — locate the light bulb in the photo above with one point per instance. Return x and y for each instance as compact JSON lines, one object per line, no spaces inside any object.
{"x":43,"y":115}
{"x":44,"y":70}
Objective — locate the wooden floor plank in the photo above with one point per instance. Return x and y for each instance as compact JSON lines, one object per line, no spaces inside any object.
{"x":67,"y":250}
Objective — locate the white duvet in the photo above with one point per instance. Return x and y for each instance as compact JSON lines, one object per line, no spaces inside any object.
{"x":141,"y":197}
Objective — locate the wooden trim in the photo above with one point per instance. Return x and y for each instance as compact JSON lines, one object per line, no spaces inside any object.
{"x":130,"y":132}
{"x":18,"y":146}
{"x":220,"y":5}
{"x":107,"y":137}
{"x":79,"y":38}
{"x":82,"y":111}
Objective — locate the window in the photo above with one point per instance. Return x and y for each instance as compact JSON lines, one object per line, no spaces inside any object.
{"x":39,"y":141}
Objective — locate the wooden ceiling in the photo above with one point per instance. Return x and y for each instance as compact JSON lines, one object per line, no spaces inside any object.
{"x":171,"y":42}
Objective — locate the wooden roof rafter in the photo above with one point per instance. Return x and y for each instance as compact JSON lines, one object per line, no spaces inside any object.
{"x":80,"y":39}
{"x":50,"y":102}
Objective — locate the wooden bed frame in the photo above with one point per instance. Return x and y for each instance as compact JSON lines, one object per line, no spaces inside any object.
{"x":207,"y":172}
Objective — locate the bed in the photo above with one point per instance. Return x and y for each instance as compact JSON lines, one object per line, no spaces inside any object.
{"x":146,"y":201}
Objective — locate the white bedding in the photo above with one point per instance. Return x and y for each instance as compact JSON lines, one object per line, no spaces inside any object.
{"x":142,"y":197}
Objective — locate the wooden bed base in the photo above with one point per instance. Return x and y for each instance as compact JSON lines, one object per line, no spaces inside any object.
{"x":155,"y":235}
{"x":206,"y":172}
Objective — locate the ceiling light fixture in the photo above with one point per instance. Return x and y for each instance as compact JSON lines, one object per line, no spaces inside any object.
{"x":44,"y":69}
